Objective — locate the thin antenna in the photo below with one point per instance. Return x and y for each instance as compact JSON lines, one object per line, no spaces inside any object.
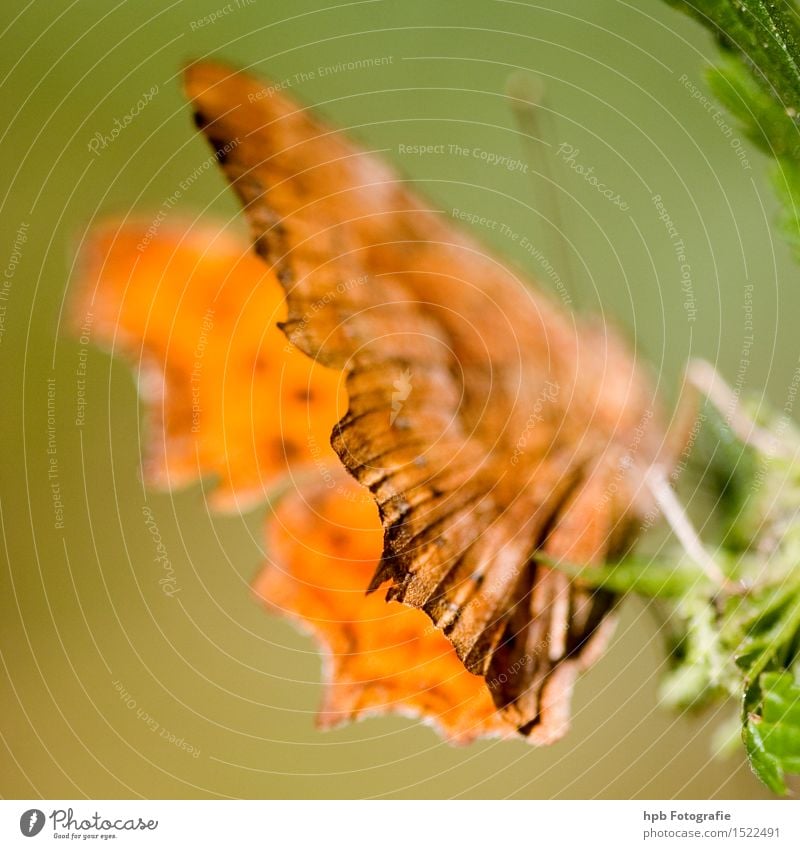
{"x":527,"y":96}
{"x":703,"y":377}
{"x":657,"y":482}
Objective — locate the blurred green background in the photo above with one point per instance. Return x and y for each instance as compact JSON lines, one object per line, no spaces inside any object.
{"x":81,"y":604}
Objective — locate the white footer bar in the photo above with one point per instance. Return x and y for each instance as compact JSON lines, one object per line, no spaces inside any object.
{"x":400,"y":824}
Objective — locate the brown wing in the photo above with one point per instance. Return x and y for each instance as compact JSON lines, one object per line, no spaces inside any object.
{"x":487,"y":423}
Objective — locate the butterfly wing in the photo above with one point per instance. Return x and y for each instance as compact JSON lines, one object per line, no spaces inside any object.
{"x":323,"y":544}
{"x":193,"y":311}
{"x":487,"y":424}
{"x":189,"y":307}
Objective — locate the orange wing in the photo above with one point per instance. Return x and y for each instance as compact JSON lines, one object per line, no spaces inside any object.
{"x":325,"y":542}
{"x":195,"y":313}
{"x":487,"y":423}
{"x":187,"y":307}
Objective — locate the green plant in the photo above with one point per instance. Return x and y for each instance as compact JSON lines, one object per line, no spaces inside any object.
{"x":758,"y":81}
{"x":738,"y":636}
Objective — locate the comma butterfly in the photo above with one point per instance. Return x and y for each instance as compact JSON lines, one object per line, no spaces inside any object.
{"x":479,"y":349}
{"x":495,"y":431}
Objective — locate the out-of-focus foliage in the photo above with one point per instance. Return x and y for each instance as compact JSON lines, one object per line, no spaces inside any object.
{"x":758,"y":81}
{"x":741,"y":639}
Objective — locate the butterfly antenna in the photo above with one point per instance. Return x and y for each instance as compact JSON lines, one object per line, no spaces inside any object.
{"x":706,"y":380}
{"x":527,"y":96}
{"x":658,"y":483}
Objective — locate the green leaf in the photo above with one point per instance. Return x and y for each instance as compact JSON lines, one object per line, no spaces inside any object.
{"x":780,"y":700}
{"x":772,"y":730}
{"x":771,"y":702}
{"x":763,"y":764}
{"x":764,"y":34}
{"x":759,"y":83}
{"x":763,"y":119}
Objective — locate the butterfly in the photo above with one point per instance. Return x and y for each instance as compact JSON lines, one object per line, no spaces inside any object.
{"x":495,"y":432}
{"x":522,"y":430}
